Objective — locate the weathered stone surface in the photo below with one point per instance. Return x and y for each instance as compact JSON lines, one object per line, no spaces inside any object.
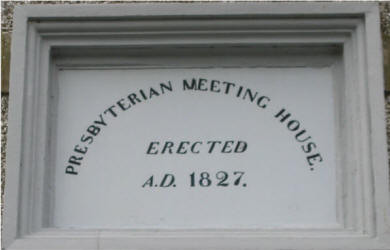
{"x":4,"y":128}
{"x":385,"y":19}
{"x":386,"y":63}
{"x":385,"y":27}
{"x":5,"y":61}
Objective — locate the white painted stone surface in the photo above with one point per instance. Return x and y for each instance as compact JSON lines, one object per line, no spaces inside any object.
{"x":281,"y":191}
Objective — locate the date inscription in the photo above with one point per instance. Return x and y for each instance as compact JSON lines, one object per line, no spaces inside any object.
{"x":202,"y":179}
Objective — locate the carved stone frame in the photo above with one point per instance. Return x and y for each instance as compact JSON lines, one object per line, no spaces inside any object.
{"x":362,"y":175}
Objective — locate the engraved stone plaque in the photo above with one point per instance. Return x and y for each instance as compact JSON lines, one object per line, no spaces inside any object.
{"x":197,"y":126}
{"x":195,"y":148}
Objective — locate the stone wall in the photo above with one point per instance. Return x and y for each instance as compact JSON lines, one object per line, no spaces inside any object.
{"x":385,"y":27}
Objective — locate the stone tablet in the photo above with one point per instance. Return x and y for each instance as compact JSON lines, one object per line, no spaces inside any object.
{"x":251,"y":154}
{"x":197,"y":126}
